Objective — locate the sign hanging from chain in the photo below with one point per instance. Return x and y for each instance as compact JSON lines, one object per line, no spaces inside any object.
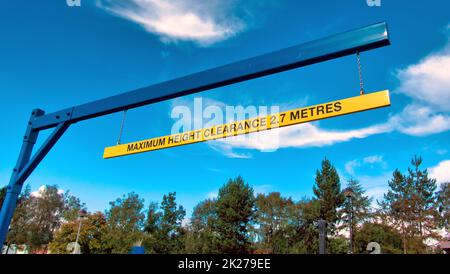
{"x":282,"y":119}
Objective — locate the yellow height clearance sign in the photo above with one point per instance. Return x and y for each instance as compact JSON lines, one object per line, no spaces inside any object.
{"x":282,"y":119}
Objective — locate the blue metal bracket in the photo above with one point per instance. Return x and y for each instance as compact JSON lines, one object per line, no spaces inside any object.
{"x":43,"y":150}
{"x":335,"y":46}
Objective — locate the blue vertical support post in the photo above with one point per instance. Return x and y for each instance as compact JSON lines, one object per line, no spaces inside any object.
{"x":24,"y":167}
{"x":14,"y":189}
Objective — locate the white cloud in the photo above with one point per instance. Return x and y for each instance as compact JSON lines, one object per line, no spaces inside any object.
{"x":441,"y":172}
{"x":227,"y":150}
{"x":429,"y":80}
{"x":373,"y":159}
{"x":302,"y":135}
{"x":420,"y":120}
{"x":351,"y":165}
{"x":375,"y":186}
{"x":428,"y":84}
{"x":376,"y":193}
{"x":41,"y":190}
{"x":212,"y":195}
{"x":204,"y":22}
{"x":185,"y":222}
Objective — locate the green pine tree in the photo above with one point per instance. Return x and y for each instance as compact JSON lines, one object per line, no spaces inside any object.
{"x":444,"y":205}
{"x":328,"y":195}
{"x":235,"y":213}
{"x":171,"y":223}
{"x":358,"y":205}
{"x":425,"y":200}
{"x":411,"y":207}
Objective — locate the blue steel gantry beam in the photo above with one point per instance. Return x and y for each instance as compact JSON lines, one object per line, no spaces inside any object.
{"x":324,"y":49}
{"x":335,"y":46}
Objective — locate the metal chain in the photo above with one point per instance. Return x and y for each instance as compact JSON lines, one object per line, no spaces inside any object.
{"x":361,"y":83}
{"x":121,"y":126}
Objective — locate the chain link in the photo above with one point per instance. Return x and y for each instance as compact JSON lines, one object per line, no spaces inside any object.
{"x":361,"y":83}
{"x":121,"y":126}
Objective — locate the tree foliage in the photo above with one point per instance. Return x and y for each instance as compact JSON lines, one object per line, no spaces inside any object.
{"x":201,"y":236}
{"x":389,"y":239}
{"x":37,"y":217}
{"x":165,"y":228}
{"x":20,"y":229}
{"x":328,"y":195}
{"x":91,"y":239}
{"x":238,"y":222}
{"x":410,"y":206}
{"x":277,"y":222}
{"x":357,"y":206}
{"x":124,"y":223}
{"x":443,"y":199}
{"x":235,"y":213}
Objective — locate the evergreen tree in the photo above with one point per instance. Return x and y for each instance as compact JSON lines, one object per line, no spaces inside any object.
{"x":327,"y":190}
{"x":307,"y":239}
{"x":444,"y":205}
{"x":235,"y":213}
{"x":424,"y":198}
{"x":410,"y":206}
{"x":358,"y":205}
{"x":170,"y":235}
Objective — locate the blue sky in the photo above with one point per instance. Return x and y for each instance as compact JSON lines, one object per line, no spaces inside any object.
{"x":53,"y":56}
